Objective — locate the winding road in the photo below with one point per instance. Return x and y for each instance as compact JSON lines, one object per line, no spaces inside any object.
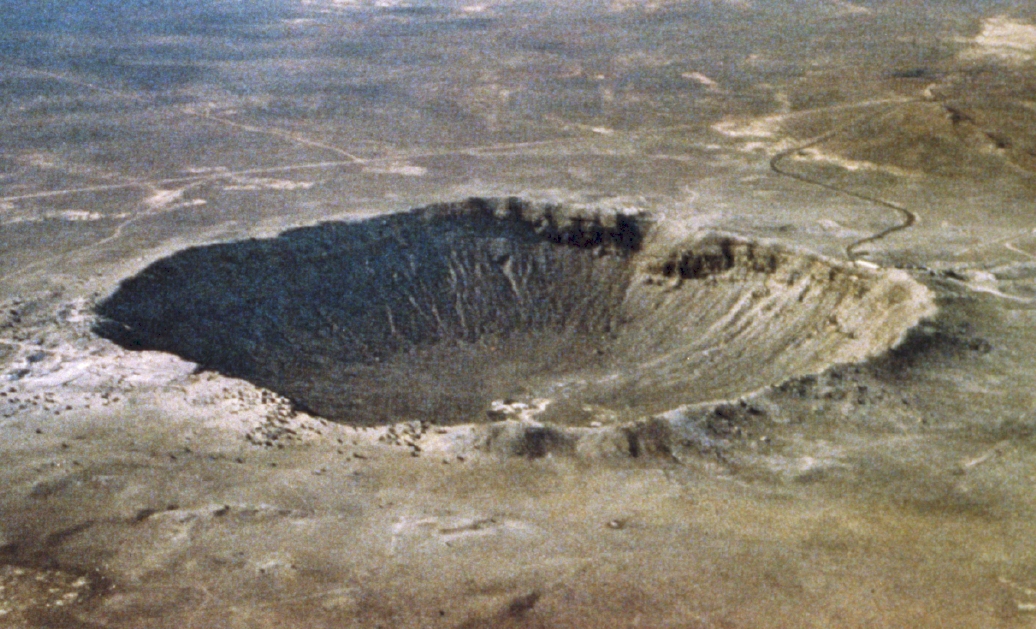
{"x":908,"y":216}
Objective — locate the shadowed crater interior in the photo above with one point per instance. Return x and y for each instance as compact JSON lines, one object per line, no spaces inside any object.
{"x":436,"y":313}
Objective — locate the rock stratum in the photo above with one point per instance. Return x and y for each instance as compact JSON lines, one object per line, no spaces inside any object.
{"x":452,"y":312}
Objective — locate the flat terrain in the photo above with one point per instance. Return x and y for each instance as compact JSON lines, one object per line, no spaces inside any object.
{"x":139,"y":489}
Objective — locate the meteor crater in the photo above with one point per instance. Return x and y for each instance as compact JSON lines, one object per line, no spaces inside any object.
{"x":447,"y":312}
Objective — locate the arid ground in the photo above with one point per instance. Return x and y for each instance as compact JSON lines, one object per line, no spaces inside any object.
{"x":631,"y":313}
